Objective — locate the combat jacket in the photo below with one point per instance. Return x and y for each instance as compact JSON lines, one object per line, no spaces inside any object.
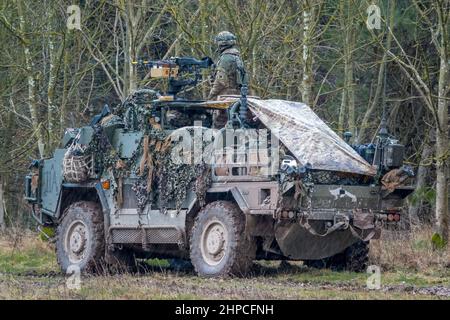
{"x":229,"y":74}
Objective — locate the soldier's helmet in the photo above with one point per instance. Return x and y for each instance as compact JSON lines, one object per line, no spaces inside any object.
{"x":225,"y":39}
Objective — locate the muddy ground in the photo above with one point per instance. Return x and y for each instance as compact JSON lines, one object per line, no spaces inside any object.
{"x":28,"y":270}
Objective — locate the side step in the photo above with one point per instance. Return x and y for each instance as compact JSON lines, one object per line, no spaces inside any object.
{"x":147,"y":235}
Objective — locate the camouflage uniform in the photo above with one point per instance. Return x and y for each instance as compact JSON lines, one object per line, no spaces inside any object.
{"x":227,"y":78}
{"x":229,"y":74}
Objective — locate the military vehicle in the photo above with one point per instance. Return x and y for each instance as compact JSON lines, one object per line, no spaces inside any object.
{"x":116,"y":190}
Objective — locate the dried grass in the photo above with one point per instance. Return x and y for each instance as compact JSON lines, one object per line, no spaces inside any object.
{"x":409,"y":250}
{"x":21,"y":239}
{"x":395,"y":250}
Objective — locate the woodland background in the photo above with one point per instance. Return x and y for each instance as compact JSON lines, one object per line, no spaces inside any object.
{"x":319,"y":52}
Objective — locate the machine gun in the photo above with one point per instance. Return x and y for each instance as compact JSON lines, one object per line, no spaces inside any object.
{"x":181,"y":72}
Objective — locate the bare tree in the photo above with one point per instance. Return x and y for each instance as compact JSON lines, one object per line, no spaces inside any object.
{"x":348,"y":93}
{"x":374,"y":104}
{"x":311,"y":51}
{"x":2,"y":208}
{"x":311,"y":13}
{"x":31,"y":78}
{"x":436,"y":18}
{"x":423,"y":172}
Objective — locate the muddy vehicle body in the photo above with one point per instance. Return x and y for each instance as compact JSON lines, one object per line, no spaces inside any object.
{"x":113,"y":198}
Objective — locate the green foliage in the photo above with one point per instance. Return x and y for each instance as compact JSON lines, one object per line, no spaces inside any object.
{"x":426,"y":195}
{"x":35,"y":260}
{"x":47,"y":233}
{"x":421,"y":244}
{"x":159,"y":263}
{"x":438,"y":241}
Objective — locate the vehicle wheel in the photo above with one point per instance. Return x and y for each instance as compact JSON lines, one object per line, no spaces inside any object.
{"x":181,"y":265}
{"x":317,"y":264}
{"x":357,"y":256}
{"x":120,"y":261}
{"x":354,"y":258}
{"x":80,"y":237}
{"x":218,"y":244}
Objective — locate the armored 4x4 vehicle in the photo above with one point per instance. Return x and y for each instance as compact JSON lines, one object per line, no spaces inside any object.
{"x":153,"y":179}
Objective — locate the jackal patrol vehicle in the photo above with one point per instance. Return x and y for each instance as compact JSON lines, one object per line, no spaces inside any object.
{"x":154,"y":179}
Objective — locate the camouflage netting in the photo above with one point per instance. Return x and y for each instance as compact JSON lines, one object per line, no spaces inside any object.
{"x":152,"y":147}
{"x":164,"y":178}
{"x":135,"y":111}
{"x":159,"y":179}
{"x":333,"y":177}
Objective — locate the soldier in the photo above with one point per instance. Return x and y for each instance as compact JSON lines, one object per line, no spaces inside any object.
{"x":229,"y":75}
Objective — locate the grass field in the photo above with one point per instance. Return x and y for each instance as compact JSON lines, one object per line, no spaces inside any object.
{"x":28,"y":270}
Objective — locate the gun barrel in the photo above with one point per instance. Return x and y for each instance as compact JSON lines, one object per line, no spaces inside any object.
{"x":178,"y":70}
{"x":205,"y":62}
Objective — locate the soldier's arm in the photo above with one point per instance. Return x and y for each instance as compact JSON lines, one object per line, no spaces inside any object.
{"x":221,"y":78}
{"x":219,"y":83}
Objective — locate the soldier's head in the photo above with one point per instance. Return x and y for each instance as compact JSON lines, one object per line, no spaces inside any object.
{"x":225,"y":40}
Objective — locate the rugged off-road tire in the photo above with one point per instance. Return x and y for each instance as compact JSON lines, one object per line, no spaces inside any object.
{"x":355,"y":258}
{"x":181,"y":265}
{"x":122,"y":261}
{"x":317,"y":264}
{"x":218,"y":244}
{"x":80,"y":238}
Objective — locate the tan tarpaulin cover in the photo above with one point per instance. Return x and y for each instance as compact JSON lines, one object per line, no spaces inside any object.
{"x":308,"y":138}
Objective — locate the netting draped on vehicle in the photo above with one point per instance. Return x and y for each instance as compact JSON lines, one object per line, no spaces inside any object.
{"x":168,"y":180}
{"x":76,"y":164}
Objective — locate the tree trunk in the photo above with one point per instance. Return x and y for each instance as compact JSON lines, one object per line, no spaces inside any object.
{"x":376,"y":99}
{"x":442,"y":155}
{"x":51,"y":90}
{"x":349,"y":81}
{"x":442,"y":214}
{"x":442,"y":143}
{"x":131,"y":20}
{"x":32,"y":101}
{"x":343,"y":106}
{"x":421,"y":181}
{"x":348,"y":92}
{"x":65,"y":92}
{"x":2,"y":208}
{"x":51,"y":103}
{"x":131,"y":55}
{"x":351,"y":91}
{"x":203,"y":41}
{"x":307,"y":59}
{"x":55,"y":63}
{"x":342,"y":110}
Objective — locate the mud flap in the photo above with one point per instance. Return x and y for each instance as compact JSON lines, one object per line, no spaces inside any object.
{"x":365,"y":221}
{"x":296,"y":242}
